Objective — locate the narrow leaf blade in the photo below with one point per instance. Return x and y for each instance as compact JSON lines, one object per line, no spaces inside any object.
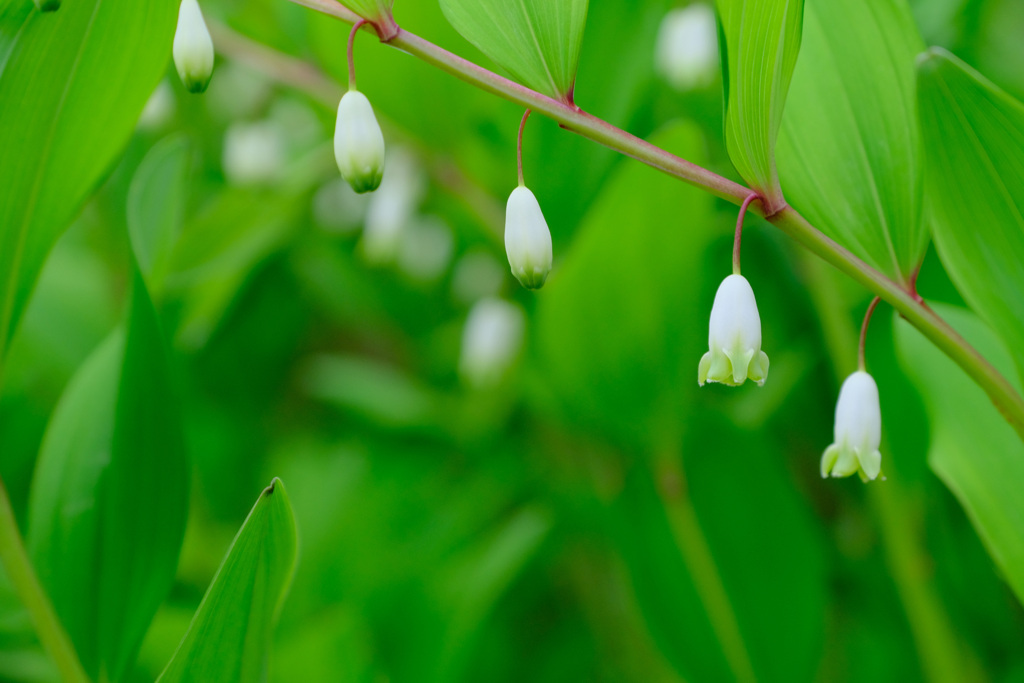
{"x":974,"y":136}
{"x":762,"y":41}
{"x":849,"y":151}
{"x":71,"y":100}
{"x":230,"y":635}
{"x":537,"y":41}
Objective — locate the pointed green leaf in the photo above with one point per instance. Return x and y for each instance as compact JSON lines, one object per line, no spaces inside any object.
{"x":537,"y":41}
{"x":974,"y":140}
{"x":70,"y":101}
{"x":762,"y":39}
{"x":110,"y":497}
{"x":849,"y":151}
{"x":978,"y":456}
{"x":230,"y":635}
{"x":156,"y":206}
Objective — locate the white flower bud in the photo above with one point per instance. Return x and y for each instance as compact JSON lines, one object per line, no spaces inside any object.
{"x":359,"y":143}
{"x":193,"y":48}
{"x":858,"y":431}
{"x":687,"y":48}
{"x":254,"y":153}
{"x":490,"y":341}
{"x":159,"y":109}
{"x":527,"y":239}
{"x":392,"y":207}
{"x":734,"y":339}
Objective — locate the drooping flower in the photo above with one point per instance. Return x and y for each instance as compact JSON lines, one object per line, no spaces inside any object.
{"x":193,"y":48}
{"x":734,"y":339}
{"x":527,"y":239}
{"x":687,"y":47}
{"x":359,"y":143}
{"x":858,"y":431}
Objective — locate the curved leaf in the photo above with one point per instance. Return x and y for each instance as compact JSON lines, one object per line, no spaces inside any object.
{"x":974,"y":141}
{"x":69,"y":99}
{"x":110,"y":497}
{"x":762,"y":40}
{"x":537,"y":41}
{"x":849,"y":151}
{"x":229,"y":638}
{"x":973,"y":450}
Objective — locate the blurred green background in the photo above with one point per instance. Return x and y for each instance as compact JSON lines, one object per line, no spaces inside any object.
{"x":586,"y":514}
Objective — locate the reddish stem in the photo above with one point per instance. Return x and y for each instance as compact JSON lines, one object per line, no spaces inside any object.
{"x":519,"y":147}
{"x":861,"y":361}
{"x":739,"y":232}
{"x":351,"y":44}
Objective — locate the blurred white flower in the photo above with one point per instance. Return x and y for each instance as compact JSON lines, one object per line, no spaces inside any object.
{"x":239,"y":93}
{"x":337,"y":208}
{"x":159,"y":109}
{"x":527,"y":239}
{"x":734,"y":337}
{"x":392,"y":207}
{"x":687,"y":49}
{"x":426,"y":249}
{"x":858,"y":431}
{"x":193,"y":48}
{"x":477,"y":275}
{"x":359,"y":143}
{"x":253,"y":153}
{"x":491,"y":341}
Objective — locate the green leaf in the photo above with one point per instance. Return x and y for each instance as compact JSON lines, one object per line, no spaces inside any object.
{"x":370,"y":9}
{"x":537,"y":41}
{"x":715,"y":560}
{"x":849,"y":152}
{"x":156,"y":207}
{"x":974,"y":140}
{"x":110,"y":496}
{"x":230,"y":636}
{"x":762,"y":39}
{"x":973,"y":450}
{"x":71,"y":99}
{"x":628,"y":292}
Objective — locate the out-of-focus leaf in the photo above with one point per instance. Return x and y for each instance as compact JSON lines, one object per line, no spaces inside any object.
{"x":628,"y":293}
{"x":156,"y":207}
{"x":217,"y":253}
{"x":110,"y":496}
{"x":849,"y":148}
{"x":973,"y":450}
{"x":738,"y":511}
{"x":70,"y":101}
{"x":537,"y":41}
{"x":974,"y":136}
{"x":762,"y":41}
{"x":230,"y":636}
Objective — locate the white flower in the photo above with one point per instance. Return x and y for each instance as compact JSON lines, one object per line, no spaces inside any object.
{"x":359,"y":143}
{"x":490,"y":341}
{"x":159,"y":109}
{"x":392,"y":208}
{"x":193,"y":48}
{"x":735,"y":337}
{"x":687,"y":49}
{"x":858,"y":431}
{"x":527,"y":239}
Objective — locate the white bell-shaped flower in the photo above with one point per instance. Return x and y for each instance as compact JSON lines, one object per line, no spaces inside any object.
{"x":527,"y":239}
{"x":687,"y":48}
{"x":491,"y":341}
{"x":734,"y":339}
{"x":193,"y":48}
{"x":858,"y":431}
{"x":359,"y":143}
